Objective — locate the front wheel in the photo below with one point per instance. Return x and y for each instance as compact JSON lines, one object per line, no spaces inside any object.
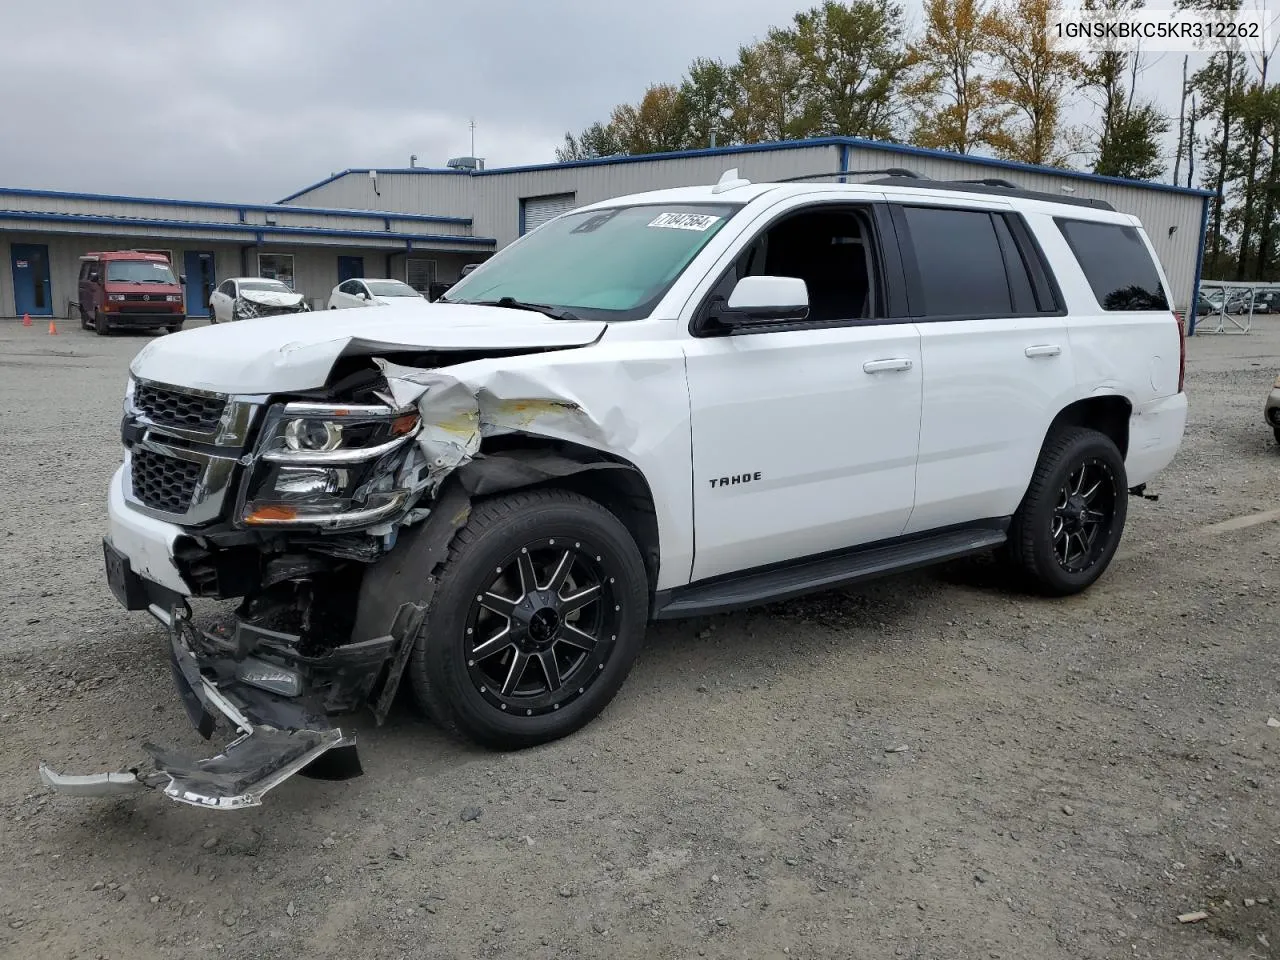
{"x":101,"y":325}
{"x":1069,"y":524}
{"x":1277,"y":430}
{"x":539,"y":612}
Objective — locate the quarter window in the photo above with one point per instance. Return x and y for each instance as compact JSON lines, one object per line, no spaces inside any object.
{"x":1117,"y":265}
{"x":961,"y":267}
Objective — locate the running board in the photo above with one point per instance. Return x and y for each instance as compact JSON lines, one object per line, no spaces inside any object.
{"x":826,"y":572}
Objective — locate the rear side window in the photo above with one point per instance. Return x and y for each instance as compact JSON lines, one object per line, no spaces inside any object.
{"x":961,"y":265}
{"x":1117,"y":265}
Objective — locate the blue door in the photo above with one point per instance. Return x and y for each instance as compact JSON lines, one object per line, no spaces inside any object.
{"x":350,"y":268}
{"x":198,"y":267}
{"x":31,"y":289}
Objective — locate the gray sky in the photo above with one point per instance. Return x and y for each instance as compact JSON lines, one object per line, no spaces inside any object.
{"x":230,"y":100}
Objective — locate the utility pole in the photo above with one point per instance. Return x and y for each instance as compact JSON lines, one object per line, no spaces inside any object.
{"x":1182,"y":113}
{"x":473,"y":136}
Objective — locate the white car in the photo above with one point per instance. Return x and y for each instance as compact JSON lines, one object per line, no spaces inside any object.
{"x":669,"y":405}
{"x":372,"y":293}
{"x":243,"y":298}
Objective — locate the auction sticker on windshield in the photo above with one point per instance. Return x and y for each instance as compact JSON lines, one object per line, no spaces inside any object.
{"x":685,"y":221}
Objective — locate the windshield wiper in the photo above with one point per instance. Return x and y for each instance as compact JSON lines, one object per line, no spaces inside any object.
{"x":511,"y":303}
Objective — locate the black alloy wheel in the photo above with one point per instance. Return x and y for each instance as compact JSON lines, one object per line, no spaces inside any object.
{"x":537,"y":616}
{"x":1082,"y":518}
{"x":539,"y":634}
{"x":1069,"y":524}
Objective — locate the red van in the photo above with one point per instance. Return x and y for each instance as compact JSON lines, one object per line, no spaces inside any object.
{"x":129,"y":289}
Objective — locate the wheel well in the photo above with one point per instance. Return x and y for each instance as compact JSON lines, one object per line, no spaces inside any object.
{"x":1108,"y":415}
{"x":621,"y":488}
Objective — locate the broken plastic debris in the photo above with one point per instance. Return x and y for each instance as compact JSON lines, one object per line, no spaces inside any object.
{"x":1194,"y":917}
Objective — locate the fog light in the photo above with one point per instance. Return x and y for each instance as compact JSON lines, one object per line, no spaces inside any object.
{"x":269,"y":677}
{"x":310,"y":481}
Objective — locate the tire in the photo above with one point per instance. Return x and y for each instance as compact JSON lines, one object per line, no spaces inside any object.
{"x":174,"y":327}
{"x":1063,"y":536}
{"x":476,"y":696}
{"x":1277,"y":430}
{"x":101,"y":325}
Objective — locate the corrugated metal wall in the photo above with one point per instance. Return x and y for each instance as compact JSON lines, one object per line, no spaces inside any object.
{"x":441,"y":194}
{"x":493,"y":198}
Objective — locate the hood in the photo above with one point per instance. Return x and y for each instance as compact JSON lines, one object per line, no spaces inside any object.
{"x":297,"y":351}
{"x":271,"y":298}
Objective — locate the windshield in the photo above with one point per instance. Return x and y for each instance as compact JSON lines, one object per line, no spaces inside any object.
{"x":611,"y":264}
{"x":139,"y":271}
{"x":390,"y":288}
{"x":269,"y":286}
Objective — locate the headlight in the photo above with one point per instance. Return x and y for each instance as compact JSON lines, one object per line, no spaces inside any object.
{"x":117,"y":297}
{"x":329,"y":464}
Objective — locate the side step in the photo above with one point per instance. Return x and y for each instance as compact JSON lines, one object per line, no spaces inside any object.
{"x":826,"y":572}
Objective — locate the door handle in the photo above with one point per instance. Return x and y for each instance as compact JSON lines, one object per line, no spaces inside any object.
{"x":886,"y":366}
{"x":1043,"y":350}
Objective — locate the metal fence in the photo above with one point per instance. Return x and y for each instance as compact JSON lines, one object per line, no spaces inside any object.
{"x":1228,"y":306}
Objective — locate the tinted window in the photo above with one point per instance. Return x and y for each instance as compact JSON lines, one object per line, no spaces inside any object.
{"x":1117,"y":265}
{"x":961,"y":266}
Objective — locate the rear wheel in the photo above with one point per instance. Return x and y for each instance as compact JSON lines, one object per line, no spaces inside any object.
{"x":537,"y":617}
{"x":1069,"y":524}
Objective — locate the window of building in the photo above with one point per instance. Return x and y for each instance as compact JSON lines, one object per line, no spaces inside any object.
{"x":276,"y":266}
{"x":1116,"y":263}
{"x":420,"y":274}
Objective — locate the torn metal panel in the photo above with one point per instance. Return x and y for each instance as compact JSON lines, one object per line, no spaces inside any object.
{"x":297,"y":352}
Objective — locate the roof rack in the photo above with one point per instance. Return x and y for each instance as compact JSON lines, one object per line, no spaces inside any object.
{"x":992,"y":182}
{"x":999,"y":189}
{"x":896,"y":173}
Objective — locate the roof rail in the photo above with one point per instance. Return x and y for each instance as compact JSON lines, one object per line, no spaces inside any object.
{"x":896,"y":172}
{"x":972,"y":186}
{"x":992,"y":182}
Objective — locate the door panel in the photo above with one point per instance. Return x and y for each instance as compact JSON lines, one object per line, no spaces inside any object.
{"x":350,"y":268}
{"x":804,"y":441}
{"x":991,"y":388}
{"x":32,"y":291}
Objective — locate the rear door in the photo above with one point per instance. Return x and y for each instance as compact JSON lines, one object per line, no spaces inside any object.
{"x":995,"y":351}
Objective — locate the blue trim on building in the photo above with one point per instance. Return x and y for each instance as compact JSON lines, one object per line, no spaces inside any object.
{"x":1193,"y":307}
{"x":901,"y":149}
{"x":259,"y":230}
{"x":241,"y":207}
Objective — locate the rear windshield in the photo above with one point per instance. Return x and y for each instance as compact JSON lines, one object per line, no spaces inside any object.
{"x":391,"y":288}
{"x":1117,"y":265}
{"x":139,"y":271}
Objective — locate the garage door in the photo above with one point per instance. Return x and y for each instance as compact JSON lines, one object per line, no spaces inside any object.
{"x":535,"y":211}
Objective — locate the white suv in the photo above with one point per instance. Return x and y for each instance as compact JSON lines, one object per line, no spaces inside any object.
{"x":670,"y":404}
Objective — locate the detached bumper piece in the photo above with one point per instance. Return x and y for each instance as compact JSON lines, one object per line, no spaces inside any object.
{"x":263,"y":756}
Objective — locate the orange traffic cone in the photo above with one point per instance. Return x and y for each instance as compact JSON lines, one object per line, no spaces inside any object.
{"x":26,"y":319}
{"x":53,"y":329}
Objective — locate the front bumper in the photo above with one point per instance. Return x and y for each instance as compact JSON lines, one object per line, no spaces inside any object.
{"x":144,"y":321}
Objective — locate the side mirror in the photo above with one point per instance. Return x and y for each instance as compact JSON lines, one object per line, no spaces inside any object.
{"x":363,"y":294}
{"x":766,"y":300}
{"x":93,"y":277}
{"x":182,"y":278}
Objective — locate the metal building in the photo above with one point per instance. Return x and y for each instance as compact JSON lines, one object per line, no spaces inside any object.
{"x":423,"y":225}
{"x":507,"y":202}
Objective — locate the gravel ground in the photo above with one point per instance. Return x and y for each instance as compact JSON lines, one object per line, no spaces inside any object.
{"x":931,"y":766}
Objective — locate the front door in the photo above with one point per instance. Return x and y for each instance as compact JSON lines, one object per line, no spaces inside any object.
{"x":198,"y":266}
{"x":805,"y":440}
{"x":32,"y":292}
{"x":350,"y":268}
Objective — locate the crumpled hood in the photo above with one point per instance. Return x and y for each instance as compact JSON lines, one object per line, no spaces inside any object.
{"x":296,"y":352}
{"x":271,"y":298}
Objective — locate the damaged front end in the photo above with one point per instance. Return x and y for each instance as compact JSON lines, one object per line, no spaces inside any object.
{"x":250,"y":305}
{"x":327,"y":512}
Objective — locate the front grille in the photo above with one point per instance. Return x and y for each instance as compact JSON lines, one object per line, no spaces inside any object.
{"x":145,"y":298}
{"x":169,"y":408}
{"x":164,"y":483}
